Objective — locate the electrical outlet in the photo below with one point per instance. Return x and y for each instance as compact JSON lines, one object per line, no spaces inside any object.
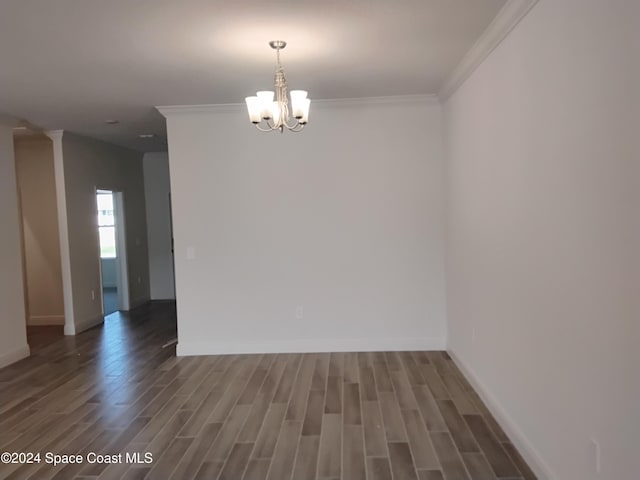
{"x":93,"y":294}
{"x":299,"y":312}
{"x":139,"y":280}
{"x":594,"y":447}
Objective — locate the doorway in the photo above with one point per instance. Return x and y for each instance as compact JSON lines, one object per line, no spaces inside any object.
{"x":113,"y":253}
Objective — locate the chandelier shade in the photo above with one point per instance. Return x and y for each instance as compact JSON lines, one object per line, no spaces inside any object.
{"x":271,"y":110}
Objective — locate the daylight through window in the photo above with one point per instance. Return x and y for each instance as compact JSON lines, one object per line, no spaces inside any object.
{"x":106,"y":225}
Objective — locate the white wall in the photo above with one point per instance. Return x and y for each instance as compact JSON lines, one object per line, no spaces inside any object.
{"x":37,"y":189}
{"x":157,"y":190}
{"x":13,"y":335}
{"x":345,"y":219}
{"x":543,"y":243}
{"x":91,"y":164}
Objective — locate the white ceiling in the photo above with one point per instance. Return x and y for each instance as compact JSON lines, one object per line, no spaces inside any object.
{"x":72,"y":64}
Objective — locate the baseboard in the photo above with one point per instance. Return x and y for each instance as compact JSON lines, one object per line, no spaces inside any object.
{"x":138,"y":302}
{"x":69,"y":328}
{"x":510,"y":427}
{"x":310,"y":346}
{"x":36,"y":320}
{"x":14,"y":355}
{"x":87,"y":324}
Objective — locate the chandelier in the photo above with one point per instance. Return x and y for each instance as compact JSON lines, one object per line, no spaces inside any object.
{"x":270,"y":115}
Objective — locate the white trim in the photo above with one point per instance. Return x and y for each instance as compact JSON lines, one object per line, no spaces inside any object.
{"x":510,"y":427}
{"x":122,"y":264}
{"x":310,"y":346}
{"x":507,"y":18}
{"x":170,"y":110}
{"x":86,"y":324}
{"x":63,"y":230}
{"x":46,"y":320}
{"x":429,"y":99}
{"x":14,"y":355}
{"x":138,"y":302}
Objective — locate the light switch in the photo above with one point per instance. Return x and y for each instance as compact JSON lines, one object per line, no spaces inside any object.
{"x":191,"y":253}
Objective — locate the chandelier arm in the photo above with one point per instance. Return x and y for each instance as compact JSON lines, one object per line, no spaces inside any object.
{"x":298,"y":128}
{"x":290,"y":127}
{"x":271,"y":124}
{"x":263,"y":129}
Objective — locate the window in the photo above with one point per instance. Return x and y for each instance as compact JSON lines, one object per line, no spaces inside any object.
{"x":106,"y":225}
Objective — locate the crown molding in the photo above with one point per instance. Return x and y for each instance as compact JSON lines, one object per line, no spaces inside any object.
{"x":54,"y":134}
{"x":386,"y":100}
{"x":507,"y":18}
{"x":430,"y":99}
{"x":170,"y":110}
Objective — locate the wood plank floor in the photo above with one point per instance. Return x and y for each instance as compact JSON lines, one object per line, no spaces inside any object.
{"x":351,"y":416}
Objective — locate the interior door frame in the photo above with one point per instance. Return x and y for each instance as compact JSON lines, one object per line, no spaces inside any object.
{"x":122,"y":275}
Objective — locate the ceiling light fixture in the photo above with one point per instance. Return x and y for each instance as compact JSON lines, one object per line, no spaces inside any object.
{"x":269,"y":115}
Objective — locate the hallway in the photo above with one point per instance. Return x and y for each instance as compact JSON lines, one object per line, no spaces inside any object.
{"x":110,"y":300}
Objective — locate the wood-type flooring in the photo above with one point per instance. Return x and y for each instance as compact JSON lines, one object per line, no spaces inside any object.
{"x":350,"y":416}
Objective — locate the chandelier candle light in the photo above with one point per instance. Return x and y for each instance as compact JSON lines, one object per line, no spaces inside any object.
{"x":270,"y":115}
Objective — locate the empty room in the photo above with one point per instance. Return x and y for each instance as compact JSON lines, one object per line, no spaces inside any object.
{"x":319,"y":240}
